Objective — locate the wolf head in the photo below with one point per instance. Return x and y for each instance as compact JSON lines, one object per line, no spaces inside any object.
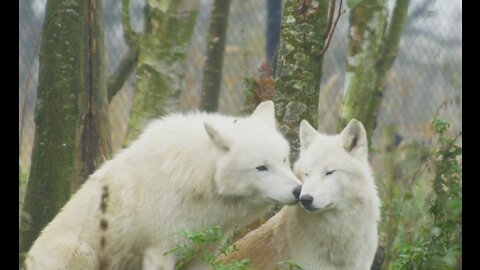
{"x":253,"y":163}
{"x":334,"y":169}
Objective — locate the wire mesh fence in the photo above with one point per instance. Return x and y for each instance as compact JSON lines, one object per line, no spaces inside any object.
{"x":426,"y":79}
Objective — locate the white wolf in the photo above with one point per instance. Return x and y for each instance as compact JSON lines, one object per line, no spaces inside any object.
{"x":185,"y":172}
{"x":337,"y":227}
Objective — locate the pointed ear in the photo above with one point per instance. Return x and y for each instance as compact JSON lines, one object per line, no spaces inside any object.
{"x":307,"y":134}
{"x":355,"y":140}
{"x":218,"y":139}
{"x":266,"y":112}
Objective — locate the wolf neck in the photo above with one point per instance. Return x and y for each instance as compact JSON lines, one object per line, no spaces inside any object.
{"x":242,"y":212}
{"x":226,"y":212}
{"x":316,"y":240}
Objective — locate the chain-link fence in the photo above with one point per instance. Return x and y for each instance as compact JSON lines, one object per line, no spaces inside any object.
{"x":426,"y":78}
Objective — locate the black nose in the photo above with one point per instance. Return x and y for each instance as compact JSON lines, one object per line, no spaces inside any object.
{"x":306,"y":200}
{"x":296,"y":191}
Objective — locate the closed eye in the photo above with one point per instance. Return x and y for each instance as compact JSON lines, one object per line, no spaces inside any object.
{"x":330,"y":172}
{"x":262,"y":168}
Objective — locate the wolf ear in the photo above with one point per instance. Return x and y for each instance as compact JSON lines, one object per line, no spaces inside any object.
{"x":216,"y":137}
{"x":266,"y":112}
{"x":355,"y":139}
{"x":307,"y":134}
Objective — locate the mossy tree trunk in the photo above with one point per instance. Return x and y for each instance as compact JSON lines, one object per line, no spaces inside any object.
{"x":372,"y":51}
{"x":373,"y":47}
{"x":130,"y":61}
{"x":299,"y":67}
{"x":161,"y":61}
{"x":212,"y":70}
{"x":72,"y":133}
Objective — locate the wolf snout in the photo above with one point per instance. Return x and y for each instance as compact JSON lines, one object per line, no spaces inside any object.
{"x":306,"y":200}
{"x":296,"y":191}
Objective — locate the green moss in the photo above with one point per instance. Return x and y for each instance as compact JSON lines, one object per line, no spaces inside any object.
{"x":163,"y":48}
{"x":299,"y":69}
{"x":71,"y":116}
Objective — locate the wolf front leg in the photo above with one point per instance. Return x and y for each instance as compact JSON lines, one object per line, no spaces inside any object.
{"x":154,"y":259}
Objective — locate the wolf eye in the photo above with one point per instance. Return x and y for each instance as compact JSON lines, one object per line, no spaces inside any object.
{"x":262,"y":168}
{"x":306,"y":174}
{"x":330,"y":172}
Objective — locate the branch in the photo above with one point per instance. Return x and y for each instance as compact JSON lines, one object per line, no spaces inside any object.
{"x":212,"y":69}
{"x":331,"y":10}
{"x":123,"y":71}
{"x":392,"y":38}
{"x":329,"y":38}
{"x":129,"y":34}
{"x":130,"y":60}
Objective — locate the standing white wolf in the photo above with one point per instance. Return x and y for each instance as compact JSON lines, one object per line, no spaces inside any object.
{"x":337,"y":227}
{"x":185,"y":172}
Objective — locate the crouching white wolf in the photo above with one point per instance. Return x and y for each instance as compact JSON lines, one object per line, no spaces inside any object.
{"x":185,"y":172}
{"x":337,"y":227}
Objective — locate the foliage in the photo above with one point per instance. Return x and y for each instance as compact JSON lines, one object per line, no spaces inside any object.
{"x":196,"y":247}
{"x":436,"y":242}
{"x":258,"y":88}
{"x":353,"y":3}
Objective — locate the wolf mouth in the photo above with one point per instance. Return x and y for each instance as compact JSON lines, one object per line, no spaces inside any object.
{"x":311,"y":209}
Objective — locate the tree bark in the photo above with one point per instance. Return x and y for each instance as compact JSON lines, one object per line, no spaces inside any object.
{"x":299,"y":66}
{"x":72,"y":133}
{"x":372,"y":51}
{"x":124,"y":69}
{"x":367,"y":26}
{"x":274,"y":19}
{"x":212,"y":70}
{"x":130,"y":60}
{"x":161,"y":63}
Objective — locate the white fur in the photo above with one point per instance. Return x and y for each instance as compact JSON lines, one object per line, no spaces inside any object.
{"x":339,"y":229}
{"x":185,"y":172}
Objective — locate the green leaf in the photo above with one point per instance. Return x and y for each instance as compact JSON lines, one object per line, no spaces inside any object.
{"x":440,"y":125}
{"x":353,"y":3}
{"x":457,"y":150}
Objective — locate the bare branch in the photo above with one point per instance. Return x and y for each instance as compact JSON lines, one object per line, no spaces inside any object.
{"x":392,"y":38}
{"x":124,"y":69}
{"x":331,"y":11}
{"x":129,"y":34}
{"x":329,"y":38}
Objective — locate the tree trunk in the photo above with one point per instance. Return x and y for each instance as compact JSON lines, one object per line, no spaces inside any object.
{"x":299,"y":66}
{"x":274,"y":19}
{"x":72,"y":134}
{"x":212,"y":71}
{"x":372,"y":51}
{"x":161,"y":63}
